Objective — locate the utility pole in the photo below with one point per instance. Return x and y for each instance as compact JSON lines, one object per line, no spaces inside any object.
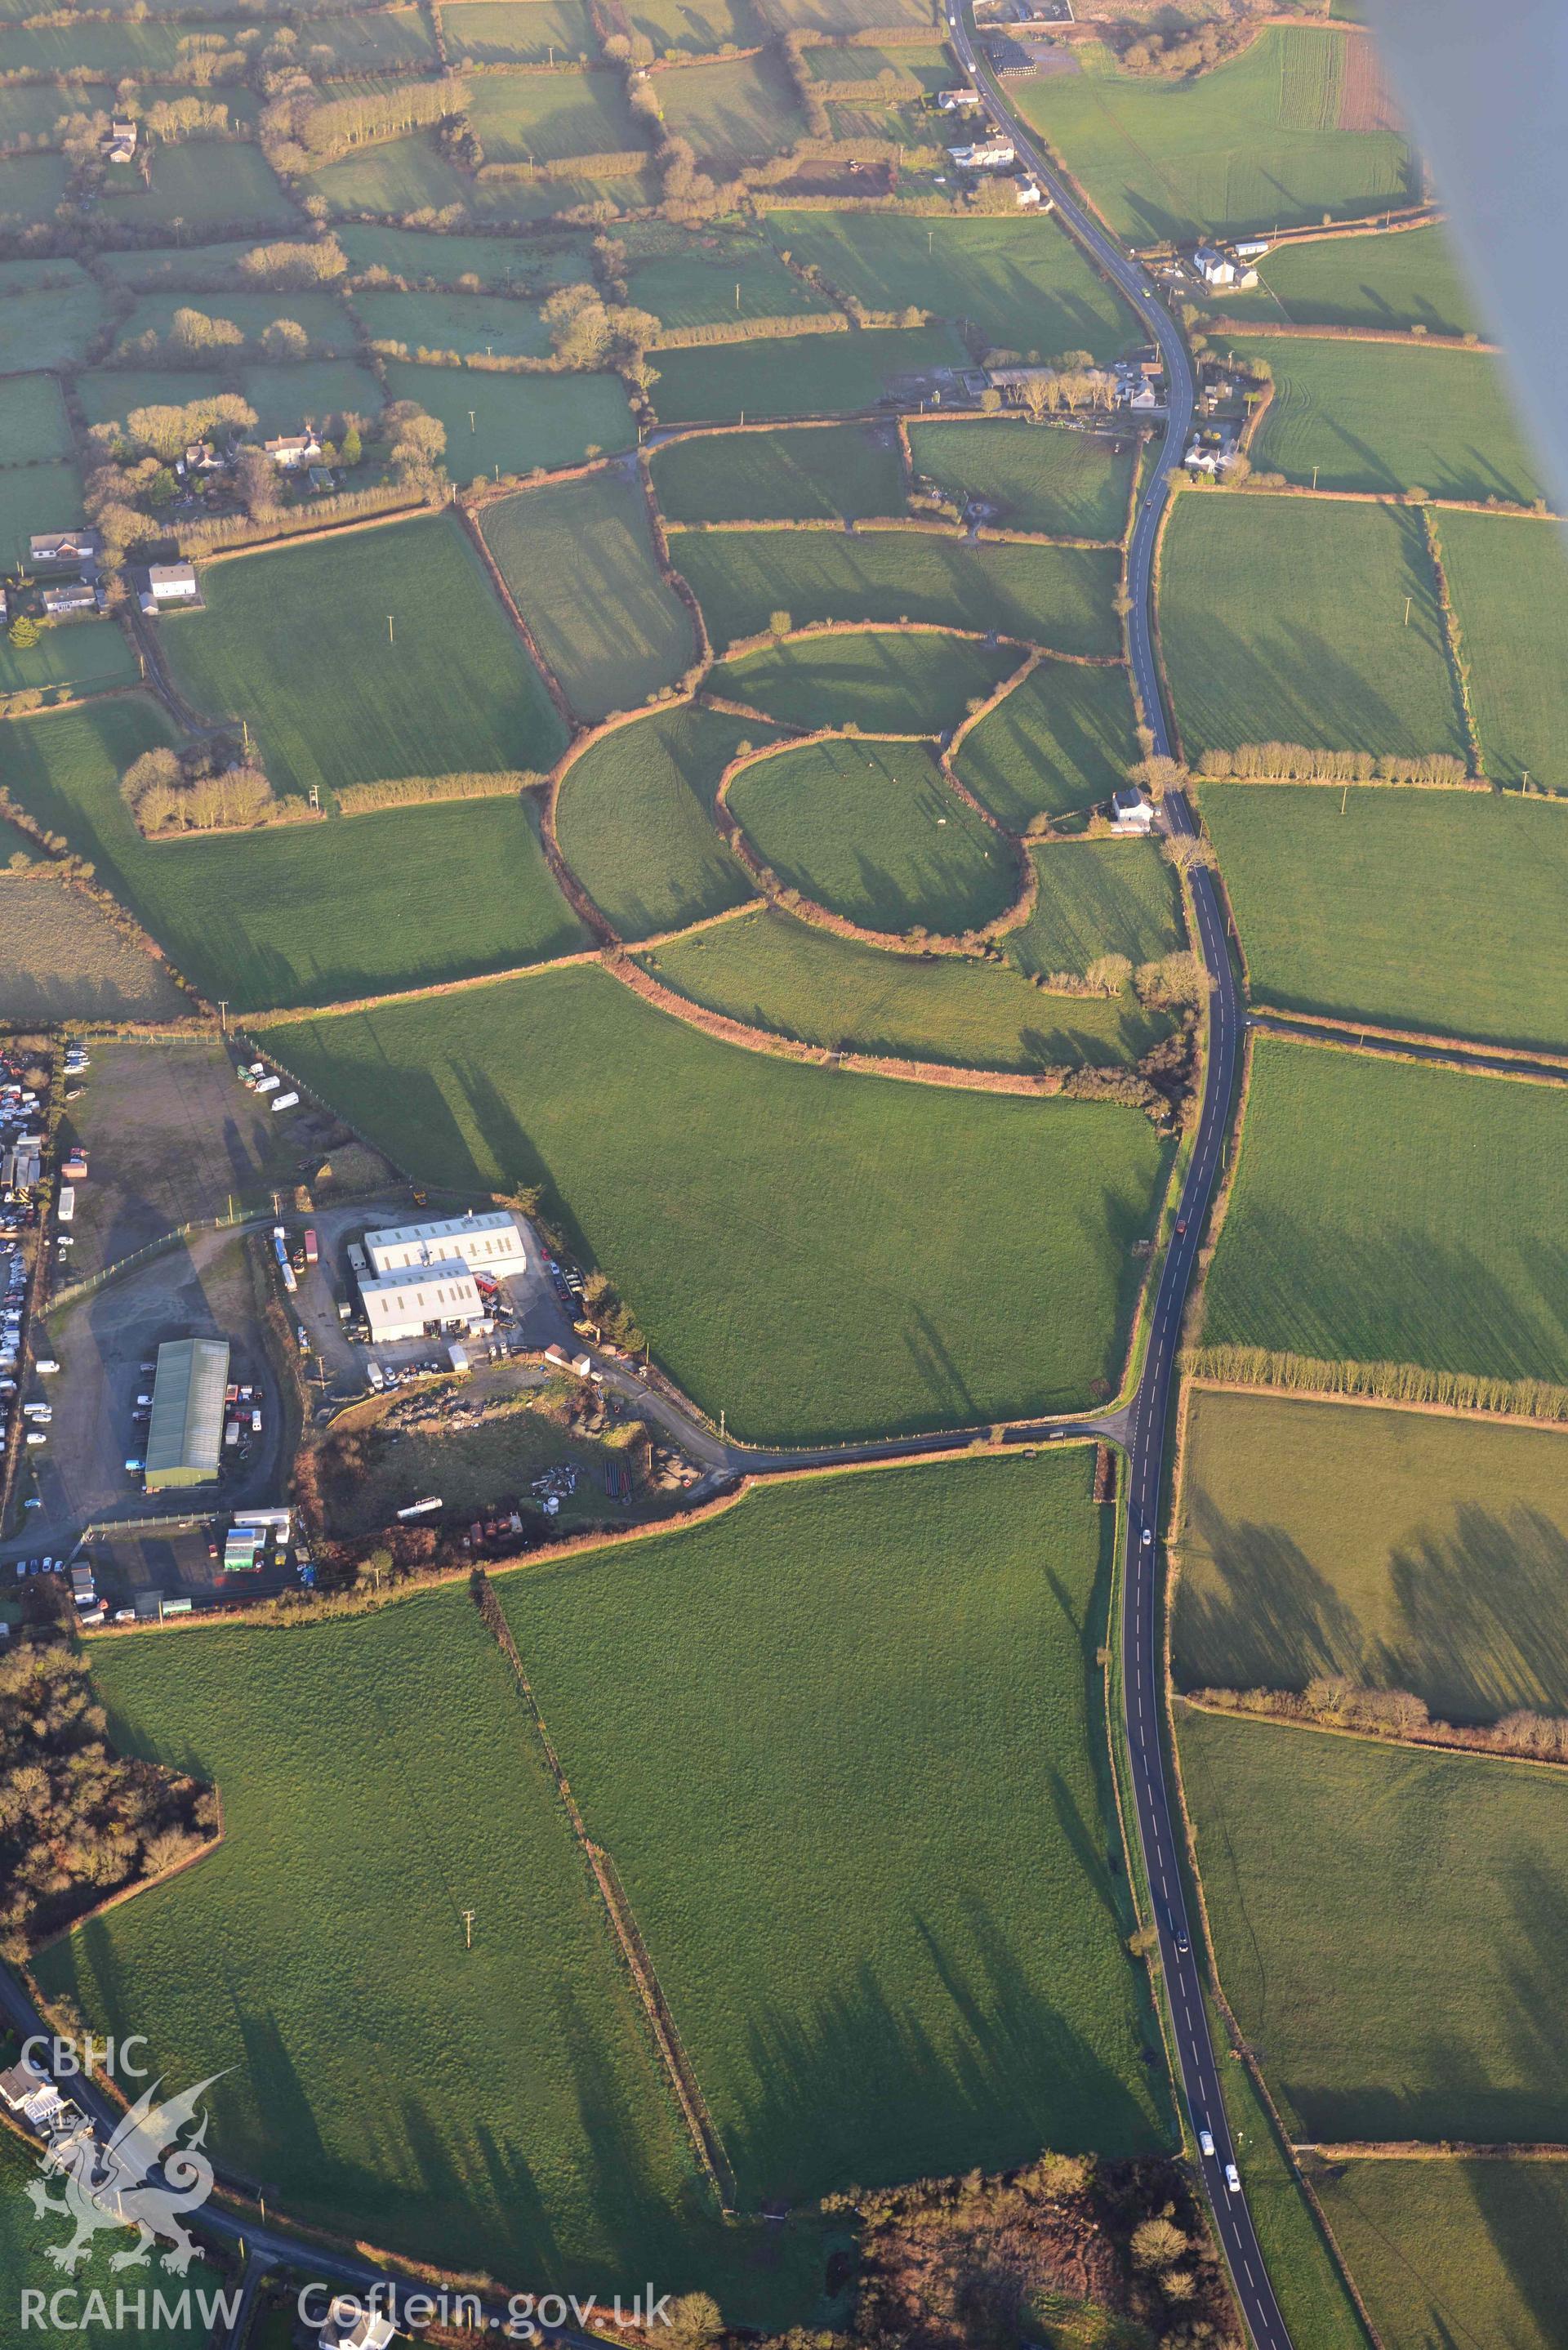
{"x":392,"y":640}
{"x":1314,"y":477}
{"x":468,"y":1929}
{"x":223,"y":1013}
{"x":1407,"y":611}
{"x":471,"y":424}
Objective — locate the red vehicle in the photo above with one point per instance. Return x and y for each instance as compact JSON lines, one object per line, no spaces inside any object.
{"x":310,"y":1254}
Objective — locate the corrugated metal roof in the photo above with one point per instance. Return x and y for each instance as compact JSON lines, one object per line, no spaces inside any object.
{"x":185,"y":1435}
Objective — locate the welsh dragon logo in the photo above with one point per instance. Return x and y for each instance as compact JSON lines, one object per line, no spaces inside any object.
{"x":142,"y":2178}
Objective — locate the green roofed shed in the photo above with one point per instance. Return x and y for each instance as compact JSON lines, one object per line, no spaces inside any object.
{"x":186,"y":1435}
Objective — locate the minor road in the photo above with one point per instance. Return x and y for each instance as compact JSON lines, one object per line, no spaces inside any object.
{"x":1143,"y":1649}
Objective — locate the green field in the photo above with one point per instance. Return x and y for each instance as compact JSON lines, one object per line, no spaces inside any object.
{"x":203,"y":188}
{"x":321,"y":316}
{"x":872,"y":831}
{"x":948,"y":1985}
{"x":1507,"y":580}
{"x":78,"y":657}
{"x":1387,"y":416}
{"x":1098,"y":898}
{"x":635,"y":825}
{"x":1032,"y":477}
{"x":839,"y":20}
{"x":39,"y":497}
{"x":389,"y":40}
{"x":772,"y":1223}
{"x":710,"y":280}
{"x":1062,"y":740}
{"x":146,"y":269}
{"x":514,"y":422}
{"x":499,"y":263}
{"x":363,"y":2070}
{"x":108,"y":394}
{"x":797,"y":375}
{"x":309,"y":913}
{"x":579,"y":560}
{"x":25,"y":2241}
{"x":519,"y":32}
{"x":1415,"y":910}
{"x":701,"y":30}
{"x":408,"y":176}
{"x":851,"y":471}
{"x":775,"y":973}
{"x":343,"y":699}
{"x":736,"y":110}
{"x":46,"y":323}
{"x":468,"y":324}
{"x":1454,"y":2251}
{"x":1246,"y":147}
{"x":1059,"y":596}
{"x":1398,"y":1236}
{"x":908,"y":683}
{"x":545,"y":118}
{"x":1386,"y":1923}
{"x":1410,"y":278}
{"x":1283,"y":621}
{"x":1401,"y":1548}
{"x":1021,"y":284}
{"x":30,"y":187}
{"x":318,"y":392}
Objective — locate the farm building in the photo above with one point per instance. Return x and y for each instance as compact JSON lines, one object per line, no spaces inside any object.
{"x":403,"y":1304}
{"x":491,"y":1241}
{"x":1131,"y":811}
{"x":185,"y":1436}
{"x":171,"y":582}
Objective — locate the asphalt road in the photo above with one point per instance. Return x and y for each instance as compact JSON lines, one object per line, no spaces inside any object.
{"x":1143,"y":1648}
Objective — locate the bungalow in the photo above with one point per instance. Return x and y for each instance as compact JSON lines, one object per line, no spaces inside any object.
{"x":992,"y":154}
{"x":1131,"y":811}
{"x":65,"y":549}
{"x":957,"y":102}
{"x":292,"y":450}
{"x":65,"y":603}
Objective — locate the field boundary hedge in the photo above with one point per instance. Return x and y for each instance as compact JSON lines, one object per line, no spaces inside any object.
{"x":1470,"y":1395}
{"x":509,"y":604}
{"x":1453,"y":643}
{"x":1475,"y":1057}
{"x":1405,"y":335}
{"x":1434,"y":2150}
{"x":1391,"y":1718}
{"x":417,"y":791}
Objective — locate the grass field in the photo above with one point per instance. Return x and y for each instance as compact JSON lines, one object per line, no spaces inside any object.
{"x":872,"y":831}
{"x":702,"y":29}
{"x":635,"y":825}
{"x":1021,"y":284}
{"x":579,"y":560}
{"x":545,"y":118}
{"x":1385,"y":416}
{"x":468,"y":324}
{"x":46,"y":325}
{"x":852,"y":471}
{"x":500,"y":263}
{"x":38,"y":497}
{"x":207,"y":189}
{"x":1454,"y":2251}
{"x":796,"y":375}
{"x":1507,"y":580}
{"x":404,"y":176}
{"x":343,"y":700}
{"x":61,"y":959}
{"x":1410,"y":277}
{"x":309,"y":913}
{"x":318,"y":392}
{"x":321,"y":316}
{"x":1063,"y":739}
{"x":1397,"y":1236}
{"x":108,"y":394}
{"x":1283,"y":621}
{"x":1415,"y":910}
{"x":780,"y":974}
{"x":732,"y":1195}
{"x":734,"y":110}
{"x":516,"y":421}
{"x":1097,"y":898}
{"x":1059,"y":596}
{"x":1246,"y":147}
{"x":950,"y":1986}
{"x":365,"y":2069}
{"x":711,"y":280}
{"x":77,"y":656}
{"x":908,"y":683}
{"x":835,"y":19}
{"x":30,"y":187}
{"x":25,"y":2267}
{"x":391,"y":40}
{"x":519,"y":32}
{"x":1388,"y":1926}
{"x":1032,"y":478}
{"x":1406,"y":1550}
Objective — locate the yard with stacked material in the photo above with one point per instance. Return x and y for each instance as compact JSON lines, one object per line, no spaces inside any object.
{"x":1413,"y":1230}
{"x":1254,"y":143}
{"x":1032,"y":477}
{"x":797,"y":375}
{"x":634,"y":820}
{"x":1452,"y":2251}
{"x":1390,"y":282}
{"x":1284,"y":619}
{"x":1023,"y":284}
{"x":309,"y":913}
{"x":499,"y":424}
{"x":1404,"y":1549}
{"x":775,"y":973}
{"x":1385,"y":417}
{"x":875,"y":1976}
{"x":1387,"y":1923}
{"x":578,"y":557}
{"x":772,"y":1223}
{"x":1060,"y":596}
{"x":1061,"y":740}
{"x":388,"y":653}
{"x":909,"y":682}
{"x":874,"y":832}
{"x":811,"y":473}
{"x":1508,"y":581}
{"x":1415,"y":909}
{"x":1097,"y":898}
{"x":316,"y":1959}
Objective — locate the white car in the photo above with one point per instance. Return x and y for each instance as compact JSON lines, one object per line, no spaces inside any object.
{"x":1232,"y":2178}
{"x":1206,"y":2144}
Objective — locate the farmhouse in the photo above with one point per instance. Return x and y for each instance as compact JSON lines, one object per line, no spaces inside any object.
{"x":119,"y":147}
{"x":185,"y":1436}
{"x":62,"y":547}
{"x":292,"y":450}
{"x":170,"y":583}
{"x":992,"y":154}
{"x":1131,"y":811}
{"x":404,"y":1304}
{"x":491,"y":1241}
{"x":1217,"y":267}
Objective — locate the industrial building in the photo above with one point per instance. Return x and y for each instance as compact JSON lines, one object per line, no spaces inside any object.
{"x":404,"y":1303}
{"x":491,"y":1241}
{"x":185,"y":1436}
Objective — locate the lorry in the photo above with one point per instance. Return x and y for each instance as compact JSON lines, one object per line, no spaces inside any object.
{"x":312,"y":1255}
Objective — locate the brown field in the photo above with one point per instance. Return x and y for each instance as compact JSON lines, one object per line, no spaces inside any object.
{"x":1366,"y":100}
{"x":60,"y":958}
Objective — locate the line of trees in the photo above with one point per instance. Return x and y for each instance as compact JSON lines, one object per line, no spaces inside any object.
{"x":1333,"y":1702}
{"x":1301,"y":763}
{"x":1264,"y":1367}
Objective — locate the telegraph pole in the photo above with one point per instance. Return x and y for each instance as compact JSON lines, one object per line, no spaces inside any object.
{"x":468,"y":1929}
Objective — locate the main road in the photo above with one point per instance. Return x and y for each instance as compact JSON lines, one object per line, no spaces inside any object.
{"x":1143,"y":1646}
